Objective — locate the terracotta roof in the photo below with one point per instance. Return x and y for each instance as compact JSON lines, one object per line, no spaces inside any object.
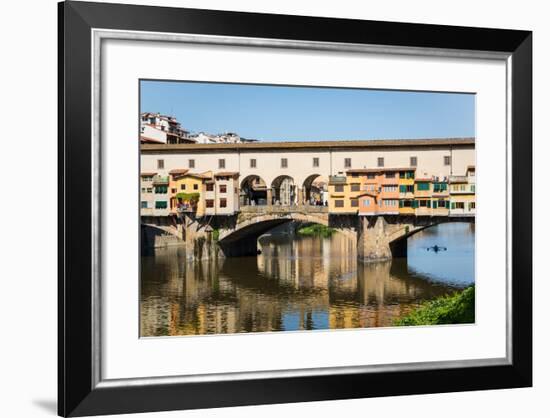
{"x":379,"y":170}
{"x":147,"y":174}
{"x":227,"y":174}
{"x":374,"y":143}
{"x":423,"y":179}
{"x":146,"y":139}
{"x":178,"y":171}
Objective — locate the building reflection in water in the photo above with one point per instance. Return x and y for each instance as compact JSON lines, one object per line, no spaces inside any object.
{"x":297,"y":283}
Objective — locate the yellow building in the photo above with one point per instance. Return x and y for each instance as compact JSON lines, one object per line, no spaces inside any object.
{"x":406,"y":191}
{"x":343,"y":193}
{"x":187,"y":191}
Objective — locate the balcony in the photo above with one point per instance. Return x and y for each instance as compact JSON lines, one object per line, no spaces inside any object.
{"x":458,"y":179}
{"x":161,"y":180}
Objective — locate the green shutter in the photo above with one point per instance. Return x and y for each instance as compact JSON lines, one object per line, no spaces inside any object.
{"x":453,"y":205}
{"x":447,"y":204}
{"x":434,"y":204}
{"x":400,"y":203}
{"x":402,"y":189}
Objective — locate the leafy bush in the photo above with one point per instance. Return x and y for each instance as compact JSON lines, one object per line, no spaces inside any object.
{"x":458,"y":308}
{"x":316,"y":230}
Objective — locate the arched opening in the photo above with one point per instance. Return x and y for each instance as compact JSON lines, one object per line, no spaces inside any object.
{"x":315,"y":191}
{"x":253,"y":191}
{"x":283,"y":191}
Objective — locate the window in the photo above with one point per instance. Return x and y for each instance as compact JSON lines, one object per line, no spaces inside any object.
{"x":447,"y":160}
{"x":391,"y":188}
{"x":366,"y":202}
{"x":459,"y":205}
{"x":182,"y":187}
{"x":424,"y":203}
{"x":161,"y":204}
{"x":380,"y":162}
{"x":147,"y":178}
{"x":423,"y":186}
{"x":284,"y":162}
{"x":223,"y":188}
{"x":339,"y":203}
{"x":223,"y":203}
{"x":390,"y":175}
{"x":347,"y":162}
{"x":161,"y":189}
{"x":440,"y":187}
{"x":472,"y":188}
{"x":160,"y":164}
{"x":339,"y":188}
{"x":221,"y":163}
{"x":195,"y":186}
{"x":355,"y":187}
{"x":253,"y":163}
{"x":143,"y":190}
{"x":191,"y":163}
{"x":370,"y":176}
{"x":209,"y":187}
{"x":315,"y":162}
{"x":174,"y":190}
{"x":472,"y":205}
{"x":354,"y":203}
{"x":144,"y":205}
{"x":406,"y":175}
{"x":414,"y":161}
{"x":209,"y":203}
{"x":390,"y":202}
{"x":149,"y":190}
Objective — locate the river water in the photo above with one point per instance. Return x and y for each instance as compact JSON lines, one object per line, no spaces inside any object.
{"x":300,"y":283}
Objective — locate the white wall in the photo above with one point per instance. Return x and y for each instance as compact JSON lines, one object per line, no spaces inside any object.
{"x":28,"y":270}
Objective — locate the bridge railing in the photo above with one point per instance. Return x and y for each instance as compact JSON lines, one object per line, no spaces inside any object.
{"x":266,"y":209}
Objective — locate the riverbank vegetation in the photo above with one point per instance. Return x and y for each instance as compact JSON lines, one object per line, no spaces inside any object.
{"x":458,"y":308}
{"x":316,"y":230}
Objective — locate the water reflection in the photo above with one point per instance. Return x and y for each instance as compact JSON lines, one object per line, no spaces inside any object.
{"x":299,"y":283}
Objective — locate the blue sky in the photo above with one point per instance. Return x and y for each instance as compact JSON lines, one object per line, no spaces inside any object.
{"x":280,"y":113}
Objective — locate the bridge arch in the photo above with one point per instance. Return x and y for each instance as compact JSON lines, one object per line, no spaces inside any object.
{"x":253,"y":191}
{"x":284,"y":190}
{"x":243,"y":239}
{"x":314,"y":190}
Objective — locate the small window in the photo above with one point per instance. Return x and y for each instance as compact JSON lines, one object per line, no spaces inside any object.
{"x":253,"y":163}
{"x":182,"y":187}
{"x":366,"y":202}
{"x":339,"y":203}
{"x":161,"y":204}
{"x":191,"y":163}
{"x":195,"y":186}
{"x":371,"y":176}
{"x":339,"y":188}
{"x":160,"y":164}
{"x":347,"y":162}
{"x":447,"y":160}
{"x":223,"y":188}
{"x":380,"y":161}
{"x":223,"y":203}
{"x":414,"y":162}
{"x":354,"y":203}
{"x":221,"y":163}
{"x":149,"y":190}
{"x":355,"y":187}
{"x":209,"y":187}
{"x":144,"y":205}
{"x":174,"y":190}
{"x":209,"y":203}
{"x":390,"y":175}
{"x":315,"y":162}
{"x":284,"y":162}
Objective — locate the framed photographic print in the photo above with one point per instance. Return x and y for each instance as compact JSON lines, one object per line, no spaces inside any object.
{"x":265,"y":208}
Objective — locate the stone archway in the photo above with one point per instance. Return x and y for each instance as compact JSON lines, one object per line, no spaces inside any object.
{"x":315,"y":190}
{"x":284,"y":191}
{"x":253,"y":191}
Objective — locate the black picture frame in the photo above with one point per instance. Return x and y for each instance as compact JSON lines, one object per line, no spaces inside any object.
{"x":77,"y":392}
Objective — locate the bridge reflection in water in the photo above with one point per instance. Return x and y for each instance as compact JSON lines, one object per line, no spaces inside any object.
{"x":298,"y":283}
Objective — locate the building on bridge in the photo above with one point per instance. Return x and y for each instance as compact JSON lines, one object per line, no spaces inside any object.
{"x":361,"y":176}
{"x":462,"y":193}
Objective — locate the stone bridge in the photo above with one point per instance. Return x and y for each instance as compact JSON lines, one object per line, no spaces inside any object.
{"x":241,"y":238}
{"x":379,"y":237}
